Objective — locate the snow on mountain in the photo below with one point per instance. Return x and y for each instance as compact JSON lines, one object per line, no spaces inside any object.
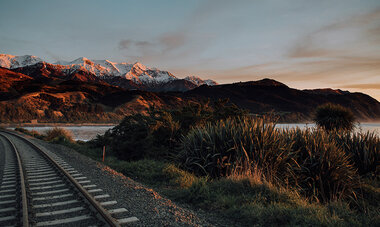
{"x":88,"y":65}
{"x":136,"y":72}
{"x":210,"y":82}
{"x":198,"y":81}
{"x":11,"y":61}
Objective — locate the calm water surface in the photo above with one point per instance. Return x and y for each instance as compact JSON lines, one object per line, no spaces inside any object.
{"x":364,"y":127}
{"x":84,"y":133}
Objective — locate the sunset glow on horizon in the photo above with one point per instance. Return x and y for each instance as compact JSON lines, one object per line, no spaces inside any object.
{"x":304,"y":44}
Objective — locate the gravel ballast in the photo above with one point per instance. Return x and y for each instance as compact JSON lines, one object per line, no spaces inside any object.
{"x":143,"y":202}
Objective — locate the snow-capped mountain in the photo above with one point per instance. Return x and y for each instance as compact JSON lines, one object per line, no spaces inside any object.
{"x":198,"y":81}
{"x":11,"y":61}
{"x":139,"y":74}
{"x":136,"y":72}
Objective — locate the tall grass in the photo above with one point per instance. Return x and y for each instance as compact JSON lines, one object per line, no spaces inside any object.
{"x":313,"y":161}
{"x":58,"y":135}
{"x":236,"y":146}
{"x":323,"y":171}
{"x":30,"y":132}
{"x":364,"y":150}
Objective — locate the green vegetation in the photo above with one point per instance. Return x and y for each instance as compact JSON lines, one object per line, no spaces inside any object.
{"x":236,"y":145}
{"x":334,"y":117}
{"x":218,"y":158}
{"x":307,"y":160}
{"x":254,"y":202}
{"x":158,"y":135}
{"x":364,"y":150}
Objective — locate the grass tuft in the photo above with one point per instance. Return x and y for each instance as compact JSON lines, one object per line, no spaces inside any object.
{"x":58,"y":135}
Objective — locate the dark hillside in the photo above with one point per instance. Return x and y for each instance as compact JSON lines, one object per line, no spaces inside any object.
{"x":269,"y":95}
{"x":48,"y":95}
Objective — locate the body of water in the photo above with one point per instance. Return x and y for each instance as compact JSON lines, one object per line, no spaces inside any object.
{"x":84,"y":133}
{"x":364,"y":127}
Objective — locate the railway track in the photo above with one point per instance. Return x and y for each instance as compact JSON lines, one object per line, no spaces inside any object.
{"x":38,"y":188}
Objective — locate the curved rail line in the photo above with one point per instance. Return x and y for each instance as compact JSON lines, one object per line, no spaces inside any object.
{"x":105,"y":216}
{"x":24,"y":199}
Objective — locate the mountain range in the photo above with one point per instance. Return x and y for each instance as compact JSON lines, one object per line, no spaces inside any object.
{"x":103,"y":91}
{"x":125,"y":75}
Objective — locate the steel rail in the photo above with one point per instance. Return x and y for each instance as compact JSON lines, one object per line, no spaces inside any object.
{"x":25,"y":212}
{"x":103,"y":212}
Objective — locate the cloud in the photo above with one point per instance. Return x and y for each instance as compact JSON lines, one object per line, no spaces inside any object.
{"x":171,"y":41}
{"x":307,"y":48}
{"x":358,"y":29}
{"x":127,"y":44}
{"x":142,"y":43}
{"x":182,"y":42}
{"x":354,"y":21}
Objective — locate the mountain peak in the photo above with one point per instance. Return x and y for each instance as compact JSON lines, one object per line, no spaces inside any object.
{"x":139,"y":65}
{"x":12,"y":61}
{"x":198,"y":81}
{"x":81,"y":60}
{"x":136,"y":72}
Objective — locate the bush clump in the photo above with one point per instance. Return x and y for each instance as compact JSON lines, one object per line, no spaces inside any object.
{"x":158,"y":135}
{"x":236,"y":145}
{"x":304,"y":159}
{"x":323,"y":171}
{"x":32,"y":132}
{"x":58,"y":135}
{"x":364,"y":150}
{"x":334,"y":117}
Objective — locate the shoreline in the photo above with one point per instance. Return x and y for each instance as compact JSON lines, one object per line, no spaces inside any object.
{"x":17,"y":125}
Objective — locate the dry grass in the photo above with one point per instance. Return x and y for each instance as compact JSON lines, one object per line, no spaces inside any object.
{"x":58,"y":134}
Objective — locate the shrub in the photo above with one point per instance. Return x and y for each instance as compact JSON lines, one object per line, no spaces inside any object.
{"x":364,"y":150}
{"x":236,"y":145}
{"x":323,"y":171}
{"x":130,"y":139}
{"x":23,"y":130}
{"x":158,"y":135}
{"x":334,"y":117}
{"x":58,"y":135}
{"x":32,"y":132}
{"x":307,"y":160}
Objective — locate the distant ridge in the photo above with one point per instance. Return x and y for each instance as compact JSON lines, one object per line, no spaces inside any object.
{"x":87,"y":91}
{"x":49,"y":95}
{"x":290,"y":104}
{"x":134,"y":75}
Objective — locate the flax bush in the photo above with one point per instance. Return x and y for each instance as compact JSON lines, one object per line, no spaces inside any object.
{"x":364,"y":150}
{"x":303,"y":159}
{"x":323,"y":172}
{"x":236,"y":145}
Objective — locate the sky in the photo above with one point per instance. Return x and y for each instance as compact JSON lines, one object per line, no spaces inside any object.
{"x":304,"y":44}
